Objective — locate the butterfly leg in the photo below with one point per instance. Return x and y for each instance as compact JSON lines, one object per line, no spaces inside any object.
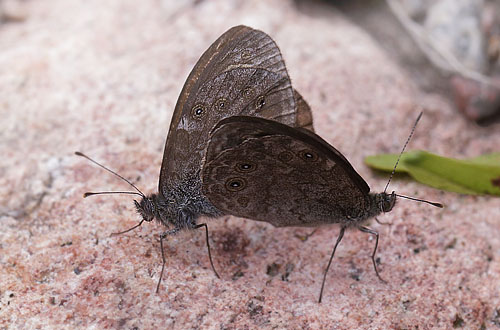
{"x":162,"y":237}
{"x":383,"y":223}
{"x":130,"y":229}
{"x":208,"y":246}
{"x":339,"y":238}
{"x":373,"y":232}
{"x":306,"y":236}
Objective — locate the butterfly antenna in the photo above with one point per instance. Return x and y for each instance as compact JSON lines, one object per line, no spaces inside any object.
{"x":397,"y":162}
{"x":87,"y":194}
{"x":422,"y":200}
{"x":404,"y":147}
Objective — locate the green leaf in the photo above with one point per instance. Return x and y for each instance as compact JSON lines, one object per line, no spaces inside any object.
{"x":479,"y":175}
{"x":488,"y":159}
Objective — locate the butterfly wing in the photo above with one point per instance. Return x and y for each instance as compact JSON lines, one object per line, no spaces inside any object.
{"x":304,"y":115}
{"x":263,"y":170}
{"x":241,"y":73}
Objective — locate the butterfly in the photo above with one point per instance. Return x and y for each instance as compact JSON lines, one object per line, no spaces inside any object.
{"x":263,"y":170}
{"x":241,"y":73}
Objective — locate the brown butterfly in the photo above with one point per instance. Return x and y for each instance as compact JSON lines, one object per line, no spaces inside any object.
{"x":263,"y":170}
{"x":241,"y":73}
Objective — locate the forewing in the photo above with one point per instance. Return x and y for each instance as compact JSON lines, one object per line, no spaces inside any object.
{"x":242,"y":73}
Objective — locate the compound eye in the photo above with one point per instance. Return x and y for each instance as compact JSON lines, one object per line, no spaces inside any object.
{"x":388,"y":202}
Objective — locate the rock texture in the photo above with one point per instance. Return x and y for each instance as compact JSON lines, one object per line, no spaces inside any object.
{"x":102,"y":77}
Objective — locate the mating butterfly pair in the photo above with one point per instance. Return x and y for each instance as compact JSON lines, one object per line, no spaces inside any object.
{"x":241,"y":143}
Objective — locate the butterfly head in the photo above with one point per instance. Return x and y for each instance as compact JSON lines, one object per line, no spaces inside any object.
{"x":147,"y":208}
{"x":386,"y":201}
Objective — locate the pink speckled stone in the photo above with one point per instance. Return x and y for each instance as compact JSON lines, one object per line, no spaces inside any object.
{"x":102,"y":77}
